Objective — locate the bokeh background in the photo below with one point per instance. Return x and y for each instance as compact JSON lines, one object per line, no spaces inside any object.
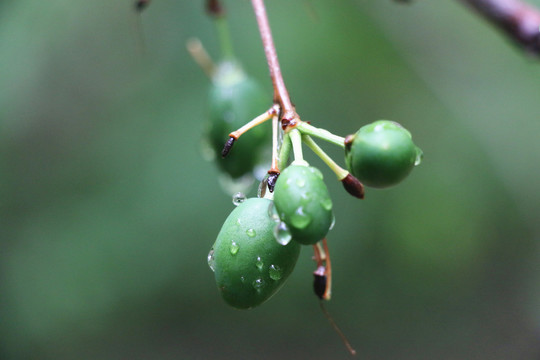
{"x":108,"y":208}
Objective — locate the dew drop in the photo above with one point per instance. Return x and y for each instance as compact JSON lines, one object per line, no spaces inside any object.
{"x":234,"y":248}
{"x":251,"y":232}
{"x":258,"y":284}
{"x":333,"y":223}
{"x":261,"y":190}
{"x":419,"y":156}
{"x":300,"y":219}
{"x":305,"y":197}
{"x":282,"y":234}
{"x":238,"y":198}
{"x":272,"y":212}
{"x":211,"y":260}
{"x":259,"y":264}
{"x":326,"y":204}
{"x":275,"y":272}
{"x":300,"y":182}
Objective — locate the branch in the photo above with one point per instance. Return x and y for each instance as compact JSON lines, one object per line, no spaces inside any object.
{"x":520,"y":21}
{"x":281,"y":95}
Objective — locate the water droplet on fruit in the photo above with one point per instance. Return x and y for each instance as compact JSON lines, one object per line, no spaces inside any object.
{"x":238,"y":198}
{"x":300,"y":219}
{"x":419,"y":156}
{"x":282,"y":234}
{"x":275,"y":272}
{"x":305,"y":198}
{"x":211,"y":260}
{"x":259,"y":264}
{"x":333,"y":223}
{"x":251,"y":232}
{"x":234,"y":248}
{"x":258,"y":284}
{"x":326,"y":204}
{"x":300,"y":182}
{"x":272,"y":212}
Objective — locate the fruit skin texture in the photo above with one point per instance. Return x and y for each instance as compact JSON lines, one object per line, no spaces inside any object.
{"x":381,"y":154}
{"x":303,"y":203}
{"x":234,"y":100}
{"x":249,"y":264}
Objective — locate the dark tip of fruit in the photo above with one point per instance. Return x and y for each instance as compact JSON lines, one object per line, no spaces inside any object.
{"x":319,"y":282}
{"x":348,"y":142}
{"x":353,"y":186}
{"x":140,"y":5}
{"x":272,"y":178}
{"x":214,"y":8}
{"x":228,"y":146}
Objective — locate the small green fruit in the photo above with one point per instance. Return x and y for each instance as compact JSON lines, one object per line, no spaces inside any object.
{"x":234,"y":100}
{"x":381,"y":154}
{"x":248,"y":263}
{"x":303,"y":203}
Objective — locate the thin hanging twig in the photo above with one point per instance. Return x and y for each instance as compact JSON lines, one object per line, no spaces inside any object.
{"x":519,"y":20}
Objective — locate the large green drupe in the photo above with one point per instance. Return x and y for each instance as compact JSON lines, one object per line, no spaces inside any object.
{"x":303,"y":203}
{"x":248,"y":263}
{"x":234,"y":100}
{"x":381,"y":154}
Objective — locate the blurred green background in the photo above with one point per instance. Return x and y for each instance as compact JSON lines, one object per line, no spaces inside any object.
{"x":108,"y":209}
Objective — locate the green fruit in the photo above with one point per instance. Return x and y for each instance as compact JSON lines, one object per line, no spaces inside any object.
{"x":303,"y":203}
{"x":234,"y":100}
{"x":381,"y":154}
{"x":248,"y":263}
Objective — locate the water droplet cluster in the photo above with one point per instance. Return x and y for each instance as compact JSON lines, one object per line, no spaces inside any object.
{"x":248,"y":263}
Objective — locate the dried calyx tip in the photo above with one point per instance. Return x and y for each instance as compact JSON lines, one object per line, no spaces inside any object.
{"x":353,"y":186}
{"x":140,"y":5}
{"x":272,"y":178}
{"x":319,"y":282}
{"x":228,"y":146}
{"x":348,"y":141}
{"x":214,"y":8}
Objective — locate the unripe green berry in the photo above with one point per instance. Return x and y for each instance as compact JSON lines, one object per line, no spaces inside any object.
{"x":234,"y":100}
{"x":381,"y":154}
{"x":303,"y":203}
{"x":248,"y":263}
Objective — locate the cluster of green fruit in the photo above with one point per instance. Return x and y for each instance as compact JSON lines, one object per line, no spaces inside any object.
{"x":259,"y":243}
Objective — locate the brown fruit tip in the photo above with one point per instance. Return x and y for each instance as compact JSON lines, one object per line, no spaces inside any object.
{"x":140,"y":5}
{"x":228,"y":146}
{"x":319,"y":282}
{"x":353,"y":186}
{"x":348,"y":142}
{"x":271,"y":180}
{"x":214,"y":8}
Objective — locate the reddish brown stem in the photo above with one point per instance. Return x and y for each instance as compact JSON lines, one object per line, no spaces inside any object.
{"x":281,"y":95}
{"x":519,"y":20}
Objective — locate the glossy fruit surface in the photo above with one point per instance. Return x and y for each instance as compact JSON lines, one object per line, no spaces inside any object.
{"x":234,"y":100}
{"x":248,"y":263}
{"x":381,"y":154}
{"x":303,"y":203}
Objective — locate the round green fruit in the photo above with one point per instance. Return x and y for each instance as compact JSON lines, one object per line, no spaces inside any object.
{"x":381,"y":154}
{"x":234,"y":100}
{"x":248,"y":263}
{"x":303,"y":203}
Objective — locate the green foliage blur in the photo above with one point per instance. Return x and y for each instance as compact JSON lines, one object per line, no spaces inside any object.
{"x":108,"y":208}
